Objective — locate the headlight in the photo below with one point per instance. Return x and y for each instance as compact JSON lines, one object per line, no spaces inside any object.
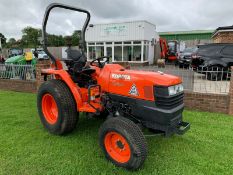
{"x":173,"y":90}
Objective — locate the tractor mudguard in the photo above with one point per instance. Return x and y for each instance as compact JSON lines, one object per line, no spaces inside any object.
{"x":63,"y":75}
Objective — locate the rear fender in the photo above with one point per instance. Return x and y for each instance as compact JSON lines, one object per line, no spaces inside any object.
{"x":63,"y":75}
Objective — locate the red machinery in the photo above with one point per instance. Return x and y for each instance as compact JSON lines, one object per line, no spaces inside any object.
{"x":169,"y":49}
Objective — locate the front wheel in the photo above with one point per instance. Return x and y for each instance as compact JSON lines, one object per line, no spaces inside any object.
{"x":123,"y":143}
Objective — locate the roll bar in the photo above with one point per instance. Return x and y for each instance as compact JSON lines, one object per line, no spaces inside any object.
{"x":44,"y":33}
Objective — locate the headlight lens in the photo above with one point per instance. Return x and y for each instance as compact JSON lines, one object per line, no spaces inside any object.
{"x":173,"y":90}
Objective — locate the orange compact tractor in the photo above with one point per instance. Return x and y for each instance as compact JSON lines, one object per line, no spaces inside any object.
{"x":131,"y":100}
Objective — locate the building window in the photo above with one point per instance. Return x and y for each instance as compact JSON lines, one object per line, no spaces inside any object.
{"x":122,"y":51}
{"x":118,"y":43}
{"x":99,"y":51}
{"x":128,"y":42}
{"x":127,"y":53}
{"x":136,"y":53}
{"x":137,"y":42}
{"x":146,"y":53}
{"x":91,"y":52}
{"x":118,"y":53}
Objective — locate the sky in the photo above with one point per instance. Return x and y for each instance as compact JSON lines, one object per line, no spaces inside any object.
{"x":169,"y":15}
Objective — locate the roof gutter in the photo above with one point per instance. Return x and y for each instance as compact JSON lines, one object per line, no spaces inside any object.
{"x":220,"y":31}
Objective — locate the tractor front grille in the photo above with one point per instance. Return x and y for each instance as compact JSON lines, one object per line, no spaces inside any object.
{"x":164,"y":101}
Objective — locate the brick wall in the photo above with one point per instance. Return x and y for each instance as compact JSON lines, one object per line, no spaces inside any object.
{"x":207,"y":102}
{"x":39,"y":66}
{"x":223,"y":37}
{"x":18,"y":85}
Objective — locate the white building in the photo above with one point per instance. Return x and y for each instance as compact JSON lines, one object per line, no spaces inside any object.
{"x":132,"y":42}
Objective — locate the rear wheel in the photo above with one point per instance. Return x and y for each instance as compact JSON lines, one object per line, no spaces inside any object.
{"x":123,"y":143}
{"x":57,"y":107}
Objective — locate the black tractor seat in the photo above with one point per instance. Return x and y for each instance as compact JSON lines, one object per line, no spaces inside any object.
{"x":80,"y":68}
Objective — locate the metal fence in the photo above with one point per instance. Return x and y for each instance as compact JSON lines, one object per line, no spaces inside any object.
{"x":19,"y":72}
{"x":213,"y":80}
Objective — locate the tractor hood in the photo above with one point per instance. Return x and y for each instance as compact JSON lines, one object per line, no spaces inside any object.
{"x":133,"y":83}
{"x":155,"y":78}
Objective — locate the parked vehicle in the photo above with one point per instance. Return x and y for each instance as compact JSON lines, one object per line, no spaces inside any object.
{"x":173,"y":50}
{"x":25,"y":59}
{"x":41,"y":53}
{"x":20,"y":59}
{"x":169,"y":49}
{"x":185,"y":57}
{"x":131,"y":99}
{"x":15,"y":52}
{"x":214,"y":60}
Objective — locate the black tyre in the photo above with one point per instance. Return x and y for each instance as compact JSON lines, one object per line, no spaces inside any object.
{"x":57,"y":107}
{"x":123,"y":143}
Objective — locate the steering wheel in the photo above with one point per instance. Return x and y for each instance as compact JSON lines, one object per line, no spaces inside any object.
{"x":100,"y":64}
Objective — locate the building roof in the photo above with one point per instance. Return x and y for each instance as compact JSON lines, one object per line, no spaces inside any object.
{"x":123,"y":22}
{"x":223,"y":29}
{"x":187,"y":35}
{"x":187,"y":32}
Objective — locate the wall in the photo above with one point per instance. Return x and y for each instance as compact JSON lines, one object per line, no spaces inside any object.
{"x":18,"y":85}
{"x":188,"y":35}
{"x":192,"y":43}
{"x":207,"y":102}
{"x":126,"y":31}
{"x":223,"y":37}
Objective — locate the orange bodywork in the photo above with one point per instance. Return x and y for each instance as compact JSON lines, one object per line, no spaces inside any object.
{"x":80,"y":94}
{"x":114,"y":79}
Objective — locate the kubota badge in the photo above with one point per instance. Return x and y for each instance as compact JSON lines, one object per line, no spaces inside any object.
{"x":133,"y":90}
{"x":121,"y":76}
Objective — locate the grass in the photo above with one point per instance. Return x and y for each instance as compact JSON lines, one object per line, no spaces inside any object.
{"x":27,"y":148}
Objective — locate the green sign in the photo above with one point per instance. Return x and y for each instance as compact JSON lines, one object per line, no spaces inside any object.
{"x":115,"y":29}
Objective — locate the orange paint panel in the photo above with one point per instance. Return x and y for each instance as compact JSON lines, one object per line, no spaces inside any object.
{"x":69,"y":82}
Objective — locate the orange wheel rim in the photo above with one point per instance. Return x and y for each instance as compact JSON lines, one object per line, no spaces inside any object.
{"x":117,"y":147}
{"x":49,"y":108}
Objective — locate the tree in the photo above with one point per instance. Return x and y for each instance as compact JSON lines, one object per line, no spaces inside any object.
{"x":31,"y":37}
{"x":3,"y":39}
{"x":12,"y":40}
{"x":12,"y":43}
{"x":55,"y":40}
{"x":76,"y":37}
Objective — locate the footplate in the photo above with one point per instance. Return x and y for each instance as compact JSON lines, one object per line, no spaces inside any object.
{"x":182,"y":128}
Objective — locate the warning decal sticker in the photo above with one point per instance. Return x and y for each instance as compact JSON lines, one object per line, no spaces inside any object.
{"x":133,"y":90}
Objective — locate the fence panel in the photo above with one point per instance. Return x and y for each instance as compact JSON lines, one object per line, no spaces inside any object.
{"x":19,"y":72}
{"x":213,"y":80}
